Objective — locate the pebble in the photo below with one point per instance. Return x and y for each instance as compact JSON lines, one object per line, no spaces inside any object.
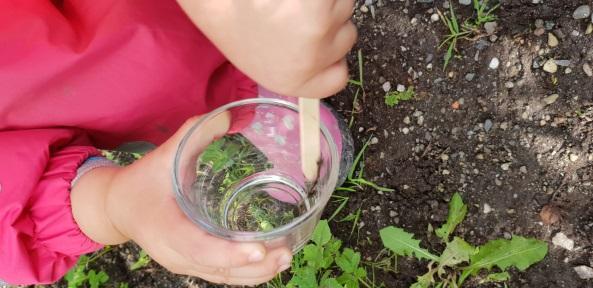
{"x":539,"y":31}
{"x":387,"y":86}
{"x":420,"y":120}
{"x":487,"y":208}
{"x":374,"y":140}
{"x":446,"y":172}
{"x":550,"y":66}
{"x":401,"y":88}
{"x":505,"y":166}
{"x":539,"y":23}
{"x":392,"y":213}
{"x":509,"y":84}
{"x":444,"y":157}
{"x":470,"y":76}
{"x":581,"y":12}
{"x":405,"y":130}
{"x":563,"y":63}
{"x":561,"y":240}
{"x":494,"y":63}
{"x":573,"y":157}
{"x":497,"y":182}
{"x":568,"y":70}
{"x":589,"y":28}
{"x":551,"y":99}
{"x":587,"y":69}
{"x":584,"y":272}
{"x":407,"y":120}
{"x":523,"y":169}
{"x":435,"y":17}
{"x":507,"y":235}
{"x":364,"y":9}
{"x":490,"y":27}
{"x":488,"y":125}
{"x":552,"y":40}
{"x":465,"y":2}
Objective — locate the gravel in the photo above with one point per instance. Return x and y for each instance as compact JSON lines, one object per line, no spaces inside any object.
{"x":551,"y":99}
{"x":584,"y":272}
{"x":552,"y":40}
{"x":470,"y":76}
{"x":490,"y":27}
{"x":562,"y":241}
{"x":550,"y":66}
{"x":465,"y":2}
{"x":488,"y":125}
{"x":387,"y":86}
{"x":588,"y":70}
{"x":582,"y":12}
{"x":494,"y":63}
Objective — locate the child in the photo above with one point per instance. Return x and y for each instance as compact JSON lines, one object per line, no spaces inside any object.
{"x":77,"y":76}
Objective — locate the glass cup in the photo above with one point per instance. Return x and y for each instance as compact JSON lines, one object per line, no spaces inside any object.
{"x":247,"y":185}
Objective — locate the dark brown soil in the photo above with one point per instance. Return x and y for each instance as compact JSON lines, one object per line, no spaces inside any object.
{"x":537,"y":140}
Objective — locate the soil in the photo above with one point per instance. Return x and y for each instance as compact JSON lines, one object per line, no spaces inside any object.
{"x":454,"y":150}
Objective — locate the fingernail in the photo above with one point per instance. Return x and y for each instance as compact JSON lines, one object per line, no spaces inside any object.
{"x":256,"y":256}
{"x":284,"y":260}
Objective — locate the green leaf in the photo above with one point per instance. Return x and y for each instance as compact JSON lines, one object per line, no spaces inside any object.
{"x":457,"y":212}
{"x":457,"y":251}
{"x":348,"y":261}
{"x":424,"y":281}
{"x":303,"y":277}
{"x":143,"y":260}
{"x":402,"y":243}
{"x":330,"y":283}
{"x":496,"y":277}
{"x":313,"y":255}
{"x":518,"y":252}
{"x":123,"y":285}
{"x":95,"y":280}
{"x":322,"y":233}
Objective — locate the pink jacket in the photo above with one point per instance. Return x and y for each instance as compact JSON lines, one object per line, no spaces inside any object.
{"x":80,"y":75}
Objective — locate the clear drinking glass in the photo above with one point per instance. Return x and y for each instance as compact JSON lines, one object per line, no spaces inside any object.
{"x":248,"y":185}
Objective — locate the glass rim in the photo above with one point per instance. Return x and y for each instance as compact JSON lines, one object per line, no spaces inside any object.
{"x":249,"y":235}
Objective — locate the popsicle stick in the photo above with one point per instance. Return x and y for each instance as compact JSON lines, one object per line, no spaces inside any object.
{"x":310,"y":137}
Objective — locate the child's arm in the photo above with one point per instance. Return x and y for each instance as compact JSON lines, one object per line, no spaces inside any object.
{"x":292,"y":47}
{"x":137,"y":202}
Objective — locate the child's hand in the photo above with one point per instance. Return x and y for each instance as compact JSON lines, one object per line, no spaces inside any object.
{"x":139,"y":204}
{"x":292,"y":47}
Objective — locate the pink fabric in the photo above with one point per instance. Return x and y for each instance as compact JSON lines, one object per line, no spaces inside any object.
{"x":117,"y":71}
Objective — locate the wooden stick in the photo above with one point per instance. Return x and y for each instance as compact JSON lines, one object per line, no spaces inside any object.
{"x":310,"y":137}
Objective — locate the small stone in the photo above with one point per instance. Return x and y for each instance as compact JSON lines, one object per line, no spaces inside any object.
{"x":507,"y":235}
{"x":444,"y":157}
{"x":465,"y":2}
{"x":550,"y":66}
{"x":552,"y":40}
{"x":392,"y":213}
{"x":446,"y":172}
{"x":490,"y":27}
{"x":523,"y":169}
{"x":564,"y":63}
{"x":387,"y":86}
{"x":470,"y":76}
{"x":494,"y":63}
{"x":584,"y":272}
{"x":405,"y":130}
{"x":568,"y":70}
{"x":573,"y":157}
{"x":487,"y":209}
{"x":374,"y":140}
{"x":589,"y":28}
{"x":407,"y":120}
{"x":549,"y":214}
{"x":497,"y":182}
{"x":539,"y":23}
{"x":364,"y":9}
{"x":509,"y":85}
{"x":401,"y":88}
{"x":588,"y":70}
{"x":505,"y":166}
{"x":581,"y":12}
{"x":539,"y":31}
{"x":435,"y":17}
{"x":420,"y":120}
{"x":488,"y":125}
{"x":549,"y":25}
{"x":551,"y":99}
{"x":562,"y":241}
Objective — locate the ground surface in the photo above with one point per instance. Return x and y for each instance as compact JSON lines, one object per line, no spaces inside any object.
{"x":533,"y":154}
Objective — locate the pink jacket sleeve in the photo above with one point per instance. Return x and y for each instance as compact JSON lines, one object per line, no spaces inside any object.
{"x":39,"y":239}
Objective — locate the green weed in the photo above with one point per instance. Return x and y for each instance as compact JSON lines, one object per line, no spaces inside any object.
{"x":394,"y":97}
{"x":142,"y":261}
{"x":448,"y":270}
{"x":360,"y":87}
{"x":324,"y":263}
{"x":79,"y":275}
{"x":470,"y":27}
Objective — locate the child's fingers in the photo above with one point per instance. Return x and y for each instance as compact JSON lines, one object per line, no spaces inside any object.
{"x":252,"y":274}
{"x":327,"y":83}
{"x":343,"y":9}
{"x":342,"y":42}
